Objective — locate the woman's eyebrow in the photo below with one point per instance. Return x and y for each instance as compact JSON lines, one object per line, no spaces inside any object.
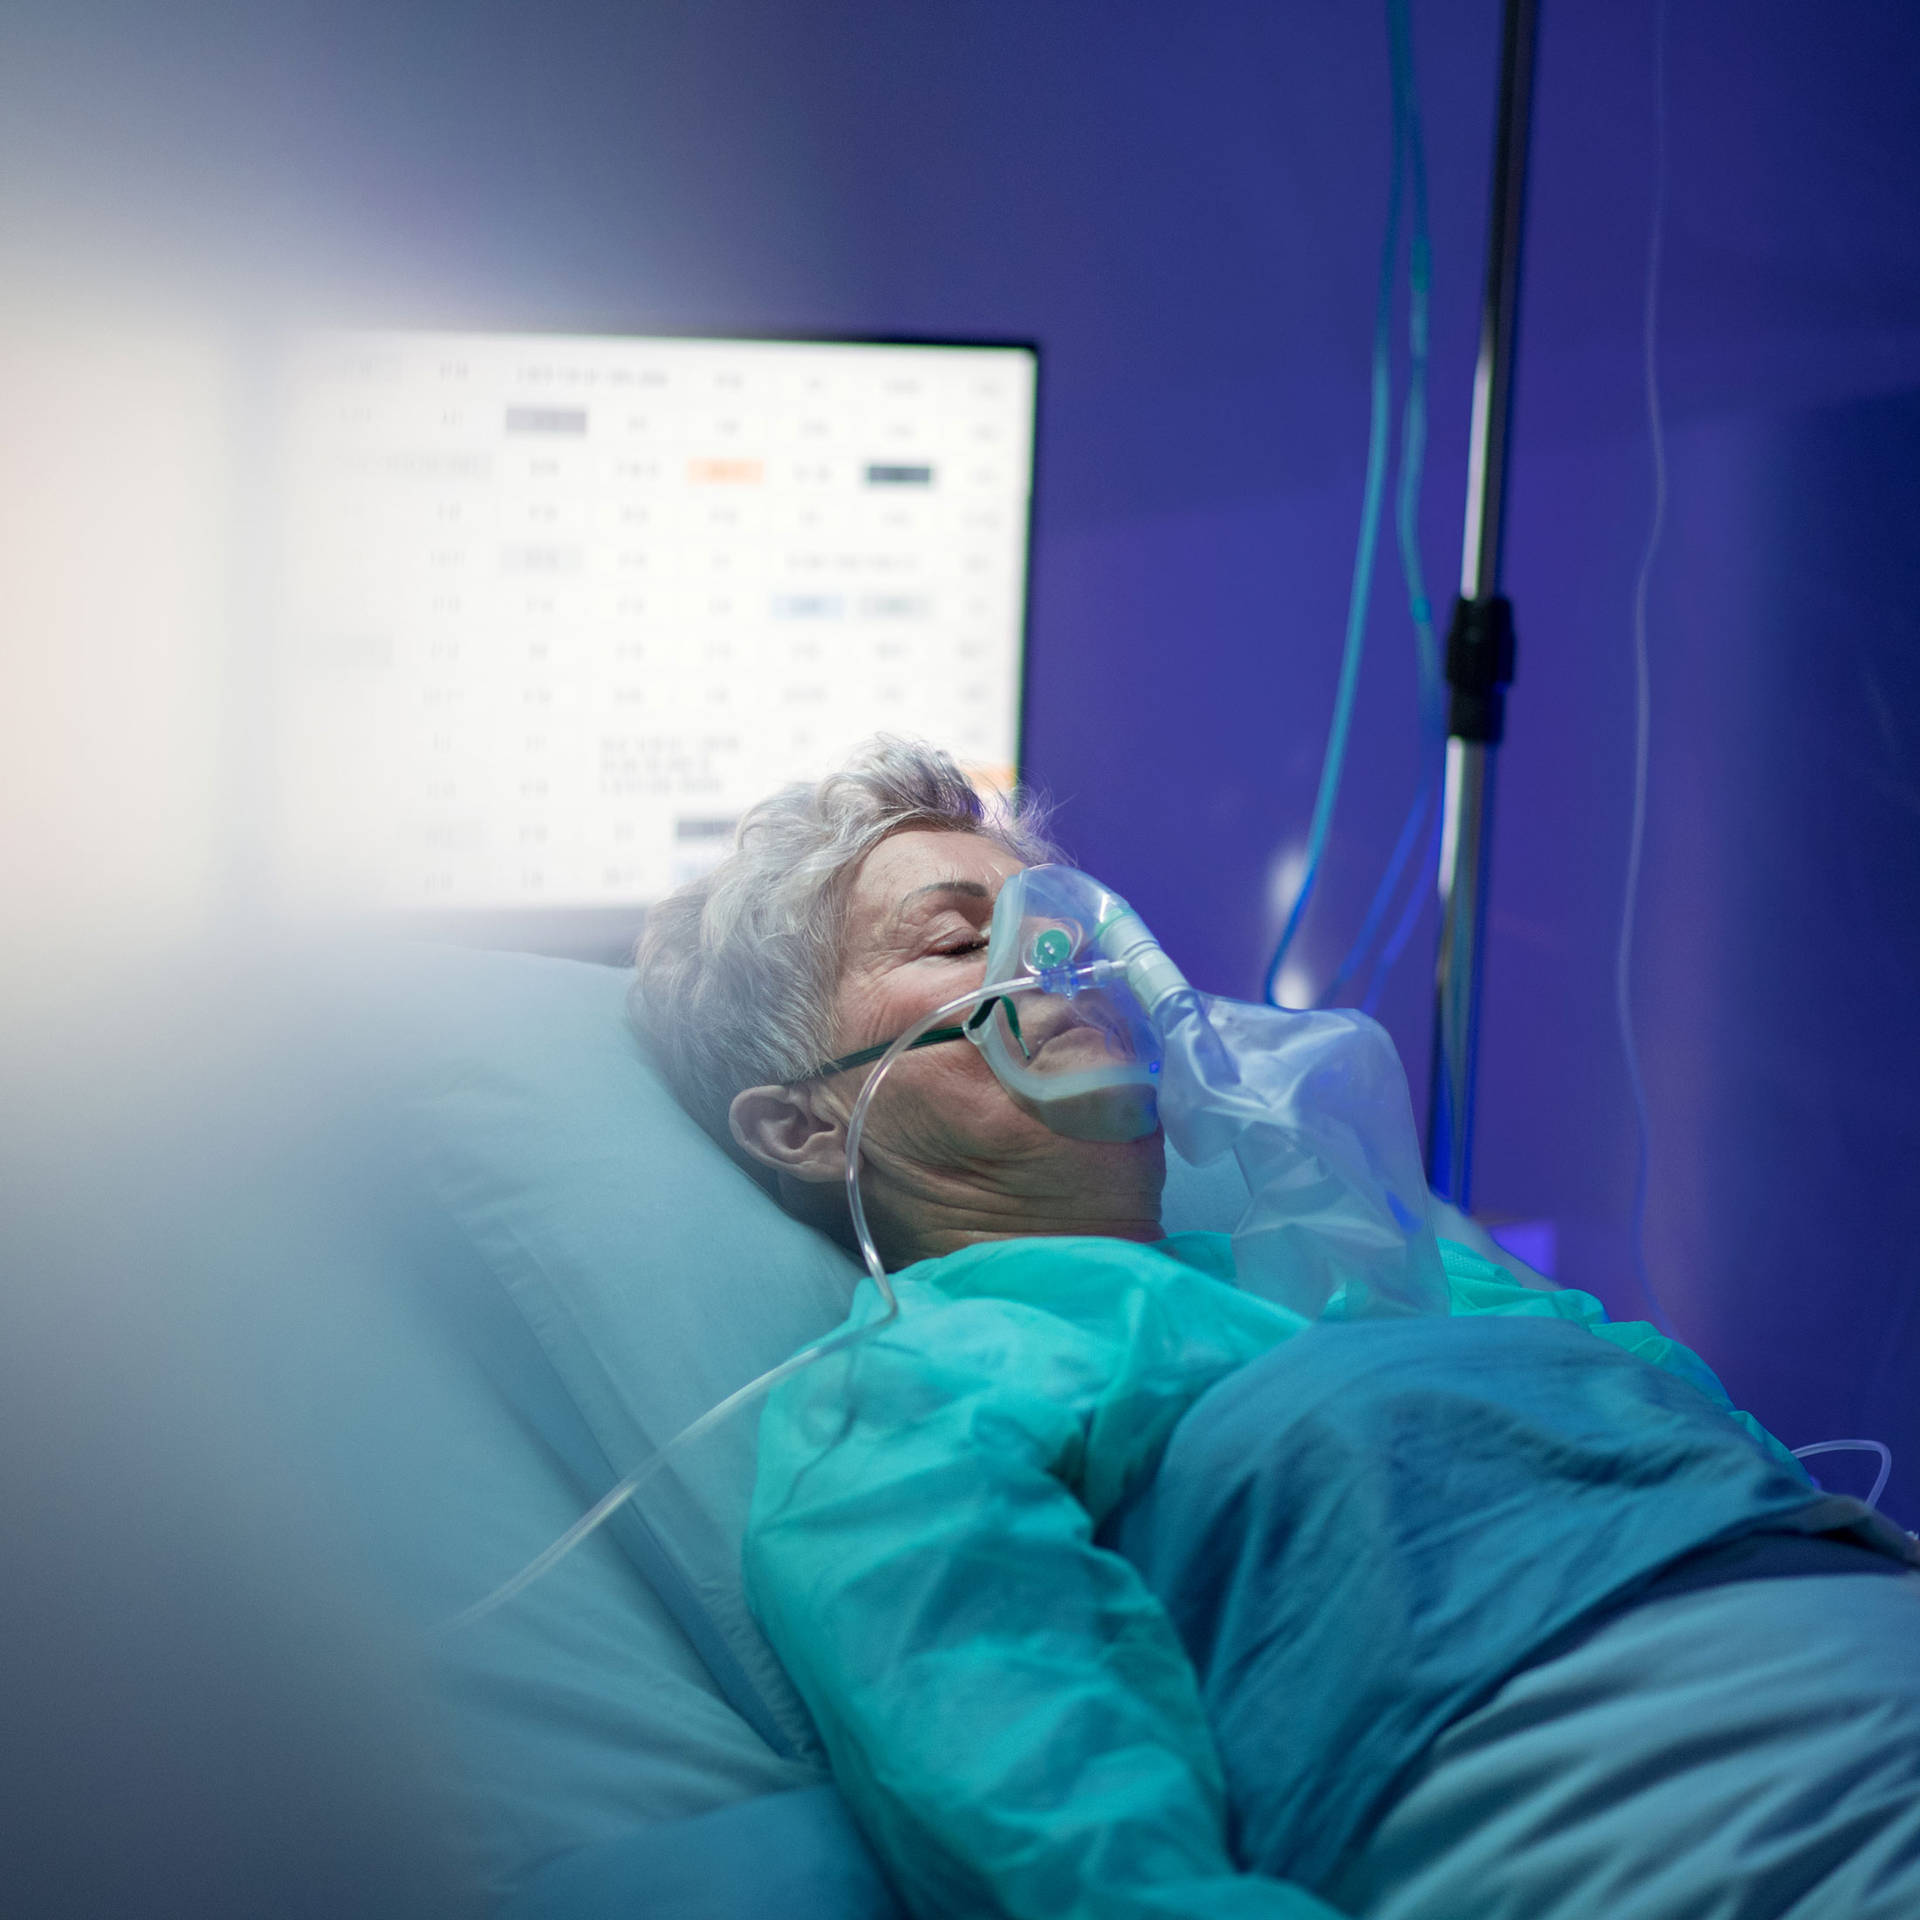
{"x":966,"y":889}
{"x":972,"y":888}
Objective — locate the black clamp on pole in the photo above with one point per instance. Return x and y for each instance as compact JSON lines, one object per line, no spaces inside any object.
{"x":1479,"y":668}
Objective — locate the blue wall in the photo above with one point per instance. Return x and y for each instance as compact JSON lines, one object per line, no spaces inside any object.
{"x":1183,"y":205}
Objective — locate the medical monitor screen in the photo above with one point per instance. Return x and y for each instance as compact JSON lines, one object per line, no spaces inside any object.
{"x":556,"y":610}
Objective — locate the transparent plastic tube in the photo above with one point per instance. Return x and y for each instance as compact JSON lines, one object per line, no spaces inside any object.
{"x":857,"y":1126}
{"x":1856,"y":1446}
{"x":1643,"y":688}
{"x":755,"y":1390}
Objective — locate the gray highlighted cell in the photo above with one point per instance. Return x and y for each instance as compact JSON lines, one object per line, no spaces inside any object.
{"x":899,"y":476}
{"x":703,"y":829}
{"x":808,"y":606}
{"x":546,"y":419}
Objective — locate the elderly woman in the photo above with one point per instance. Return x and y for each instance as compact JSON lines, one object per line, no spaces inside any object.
{"x":1117,"y":1591}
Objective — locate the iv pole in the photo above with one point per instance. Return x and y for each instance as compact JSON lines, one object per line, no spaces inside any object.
{"x":1479,"y":644}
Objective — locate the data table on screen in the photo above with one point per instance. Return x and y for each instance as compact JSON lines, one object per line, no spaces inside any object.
{"x":555,"y":611}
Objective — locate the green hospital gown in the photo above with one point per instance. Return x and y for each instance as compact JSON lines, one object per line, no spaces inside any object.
{"x":1008,"y":1708}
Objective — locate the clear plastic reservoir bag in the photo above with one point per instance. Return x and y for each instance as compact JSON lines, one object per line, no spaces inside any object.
{"x":1315,"y":1108}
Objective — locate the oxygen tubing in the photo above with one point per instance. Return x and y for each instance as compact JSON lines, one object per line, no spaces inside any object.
{"x":617,"y":1496}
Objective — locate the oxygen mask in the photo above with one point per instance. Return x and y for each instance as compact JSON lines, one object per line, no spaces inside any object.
{"x":1096,"y":1033}
{"x":1066,"y":1020}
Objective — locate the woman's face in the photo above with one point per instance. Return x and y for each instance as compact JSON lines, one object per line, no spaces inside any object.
{"x":918,"y":913}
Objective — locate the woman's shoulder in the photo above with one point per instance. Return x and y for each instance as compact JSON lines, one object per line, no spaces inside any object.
{"x":1049,"y":1263}
{"x":1100,"y":1283}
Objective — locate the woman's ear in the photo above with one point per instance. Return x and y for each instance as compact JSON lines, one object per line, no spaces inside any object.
{"x":791,"y":1130}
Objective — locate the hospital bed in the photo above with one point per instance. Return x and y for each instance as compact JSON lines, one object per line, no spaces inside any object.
{"x":562,"y":1271}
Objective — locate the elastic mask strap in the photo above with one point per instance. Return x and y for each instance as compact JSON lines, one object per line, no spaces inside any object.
{"x":934,"y":1037}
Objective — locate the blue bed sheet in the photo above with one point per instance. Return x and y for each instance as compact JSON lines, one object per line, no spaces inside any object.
{"x":796,"y":1856}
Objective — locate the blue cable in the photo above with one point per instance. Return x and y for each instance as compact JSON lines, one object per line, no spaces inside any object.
{"x":1361,"y":592}
{"x":1433,"y":719}
{"x":1409,"y":919}
{"x":1409,"y":148}
{"x":1382,"y":898}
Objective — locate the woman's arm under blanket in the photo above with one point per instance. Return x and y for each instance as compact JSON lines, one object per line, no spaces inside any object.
{"x":1006,"y":1705}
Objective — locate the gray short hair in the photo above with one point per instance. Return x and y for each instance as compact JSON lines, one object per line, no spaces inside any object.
{"x":735,"y":974}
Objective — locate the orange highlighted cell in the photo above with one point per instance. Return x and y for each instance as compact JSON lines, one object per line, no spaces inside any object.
{"x":726,"y":473}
